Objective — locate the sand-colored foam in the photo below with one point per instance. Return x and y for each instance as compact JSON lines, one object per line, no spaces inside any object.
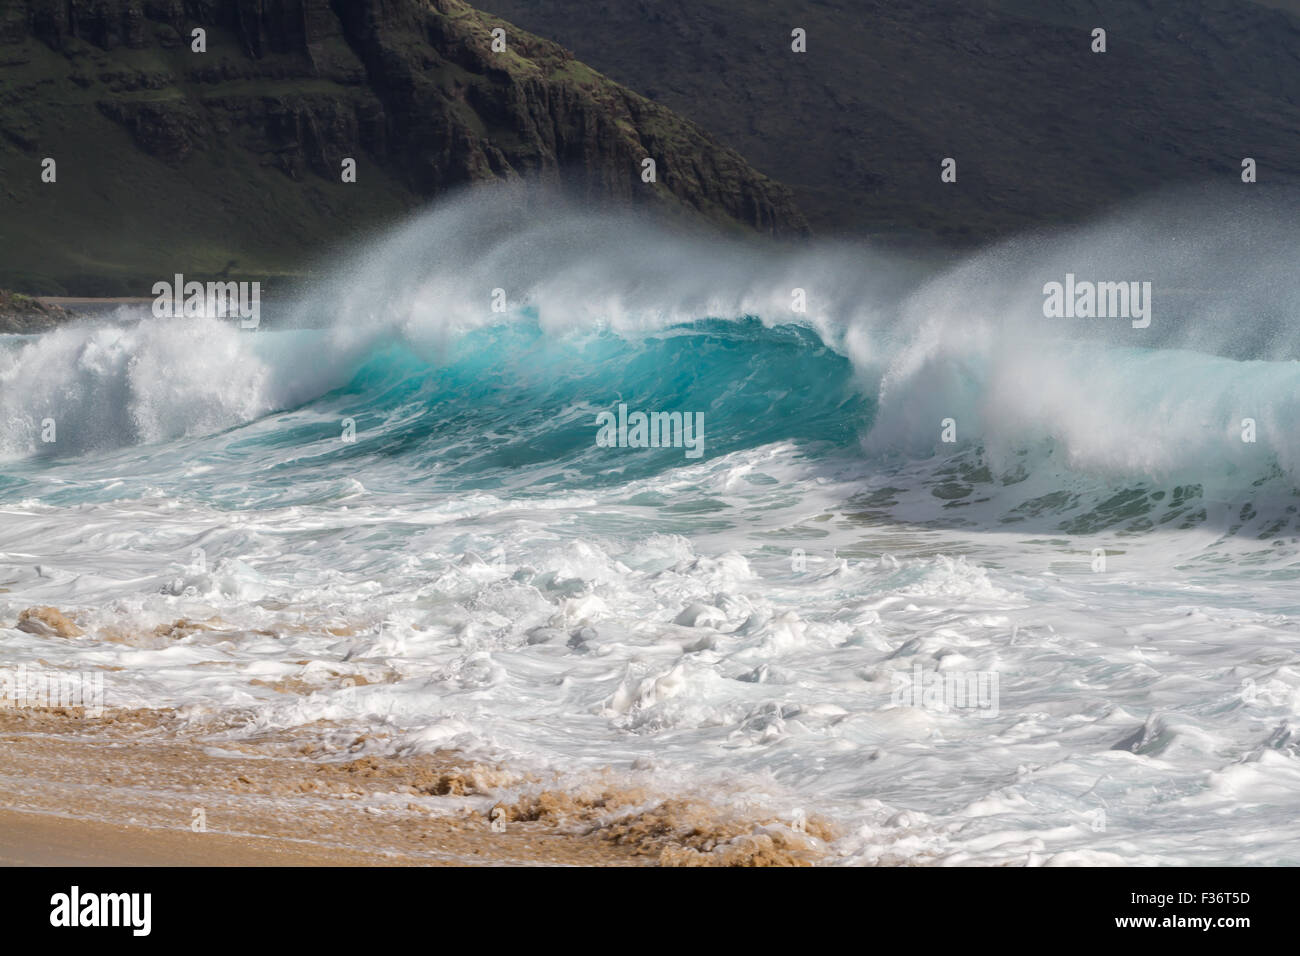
{"x":137,"y":784}
{"x":676,"y":831}
{"x":47,"y":621}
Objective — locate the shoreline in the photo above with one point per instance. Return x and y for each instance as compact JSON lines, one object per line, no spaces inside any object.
{"x":129,"y":789}
{"x":36,"y":838}
{"x":63,"y":301}
{"x":153,"y":788}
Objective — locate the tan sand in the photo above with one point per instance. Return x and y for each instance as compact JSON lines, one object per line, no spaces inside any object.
{"x":32,"y":839}
{"x":133,"y":786}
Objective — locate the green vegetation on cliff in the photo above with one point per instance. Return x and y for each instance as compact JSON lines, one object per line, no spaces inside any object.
{"x":23,"y":314}
{"x":228,"y":162}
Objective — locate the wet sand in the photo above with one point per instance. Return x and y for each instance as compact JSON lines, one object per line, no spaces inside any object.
{"x":34,"y":839}
{"x":151,"y":788}
{"x":124,"y":790}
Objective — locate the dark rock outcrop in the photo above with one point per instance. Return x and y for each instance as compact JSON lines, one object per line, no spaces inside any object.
{"x":21,"y":314}
{"x":253,"y":132}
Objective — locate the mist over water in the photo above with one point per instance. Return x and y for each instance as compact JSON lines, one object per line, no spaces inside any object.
{"x":964,"y":337}
{"x":737,"y":622}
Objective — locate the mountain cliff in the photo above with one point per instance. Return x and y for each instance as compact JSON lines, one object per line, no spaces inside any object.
{"x":1043,"y":129}
{"x":228,"y":162}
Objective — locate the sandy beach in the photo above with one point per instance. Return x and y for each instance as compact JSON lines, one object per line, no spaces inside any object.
{"x":138,"y":788}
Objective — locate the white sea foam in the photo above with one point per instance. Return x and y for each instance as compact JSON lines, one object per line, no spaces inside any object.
{"x":1146,"y":712}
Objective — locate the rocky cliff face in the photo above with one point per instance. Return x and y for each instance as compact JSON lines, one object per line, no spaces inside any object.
{"x":1043,"y":130}
{"x":174,"y":160}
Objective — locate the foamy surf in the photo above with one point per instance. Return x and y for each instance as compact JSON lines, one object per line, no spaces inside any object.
{"x":476,"y":573}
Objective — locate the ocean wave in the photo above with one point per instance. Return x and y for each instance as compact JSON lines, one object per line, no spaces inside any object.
{"x":903,"y":360}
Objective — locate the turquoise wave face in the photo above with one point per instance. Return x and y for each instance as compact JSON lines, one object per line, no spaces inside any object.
{"x":509,"y":409}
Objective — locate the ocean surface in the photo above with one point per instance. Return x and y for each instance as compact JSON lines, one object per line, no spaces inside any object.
{"x":391,"y":498}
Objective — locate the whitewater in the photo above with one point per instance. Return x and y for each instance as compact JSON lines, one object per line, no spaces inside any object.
{"x":392,"y":497}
